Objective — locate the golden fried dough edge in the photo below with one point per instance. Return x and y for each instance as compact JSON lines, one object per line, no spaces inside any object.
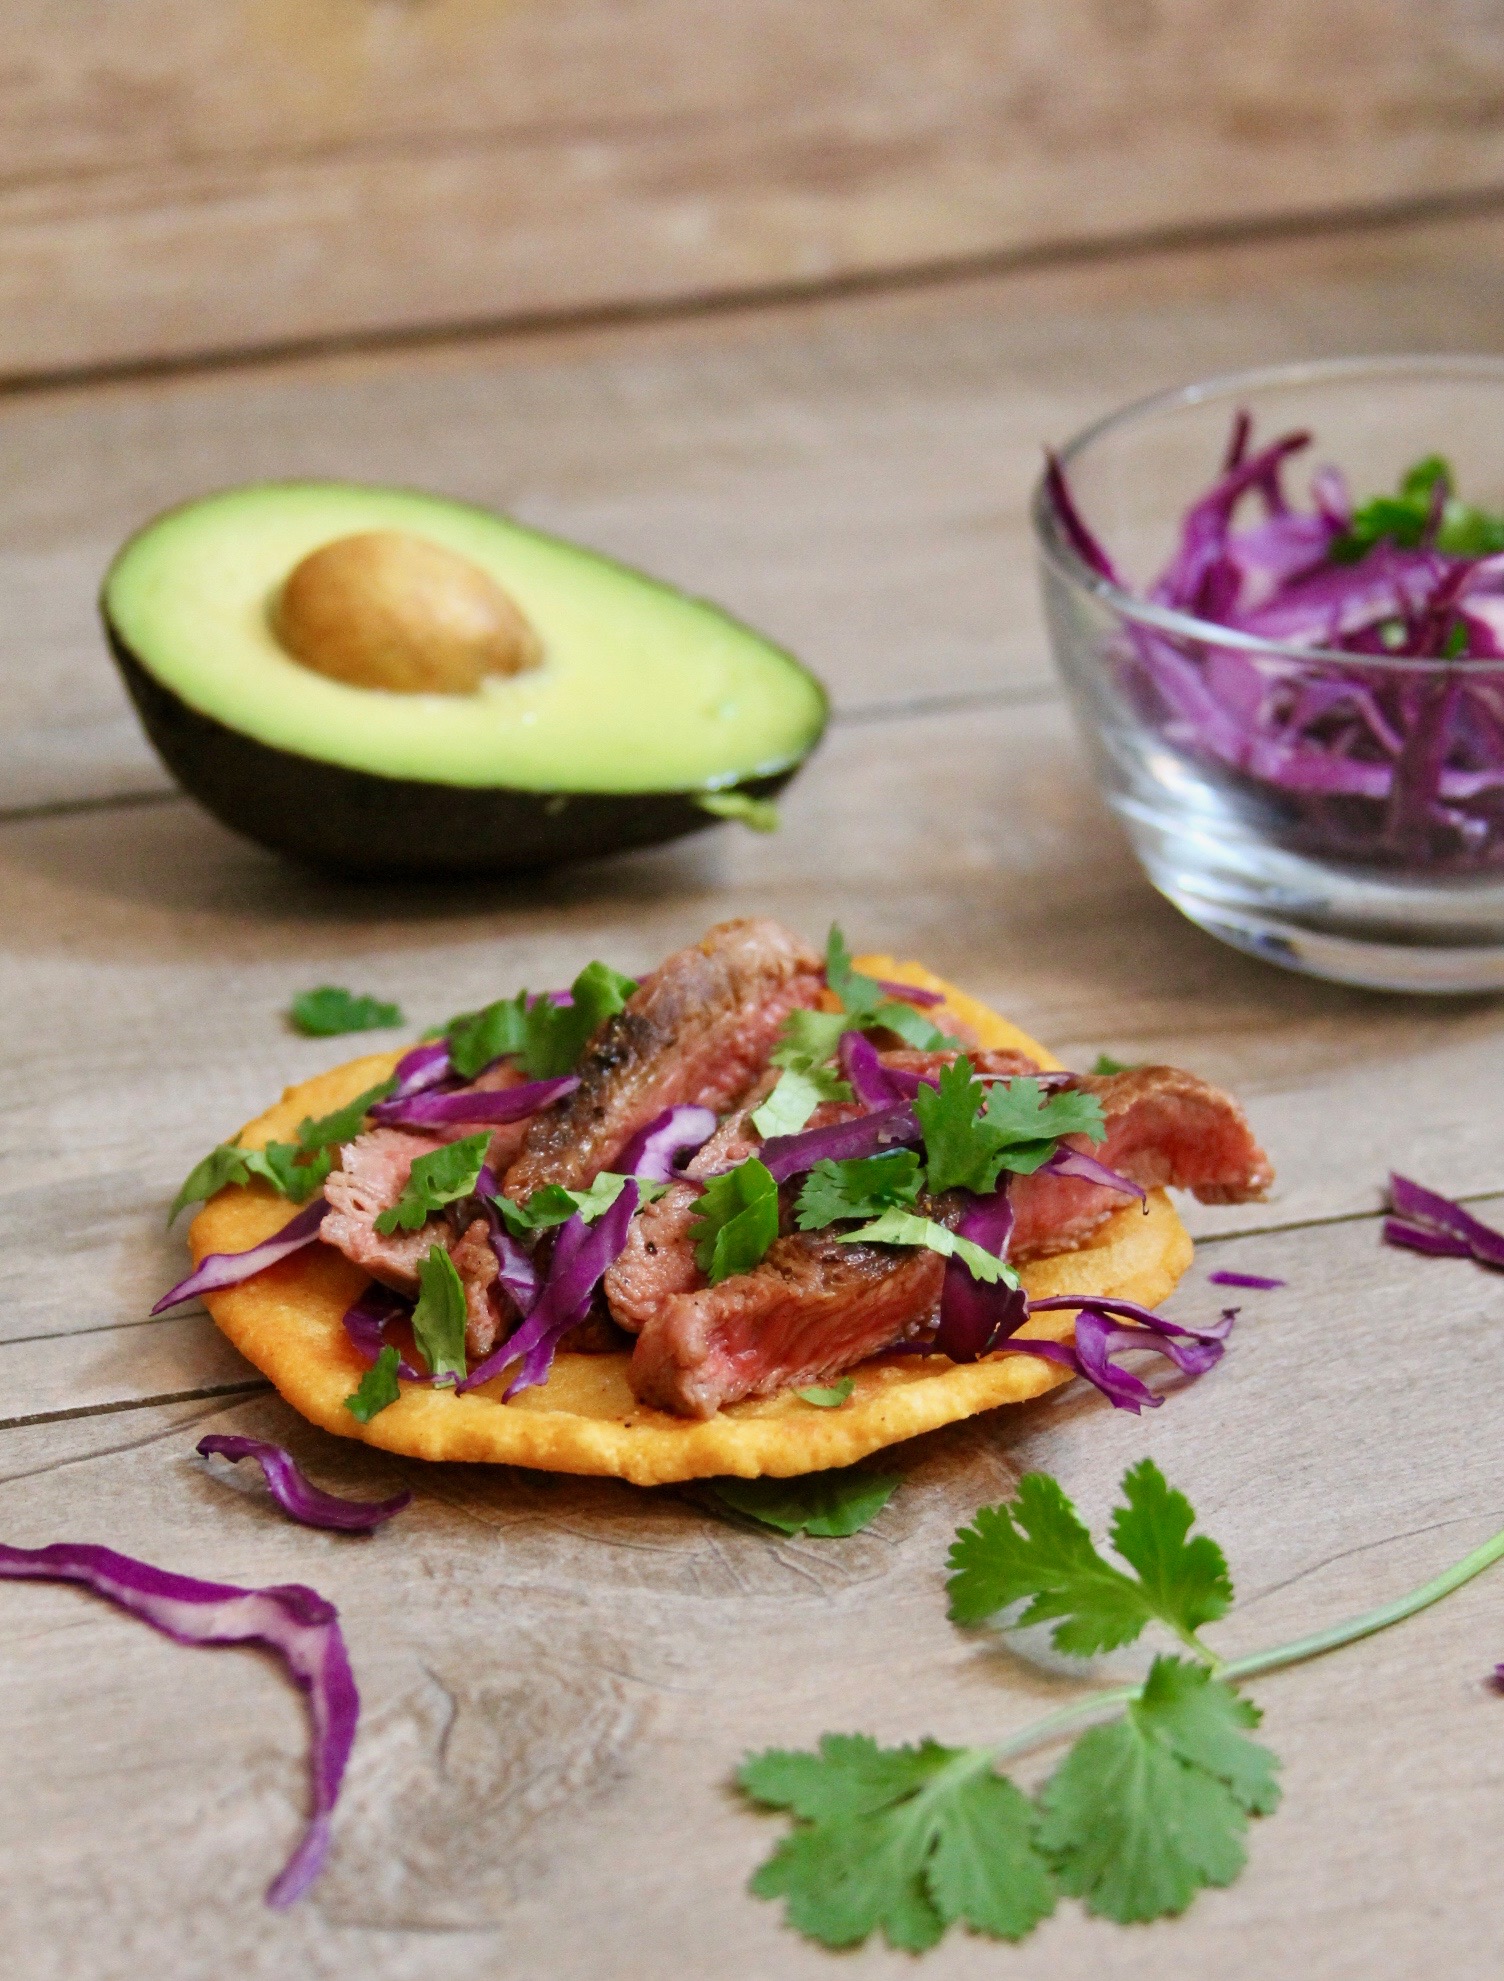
{"x":288,"y":1323}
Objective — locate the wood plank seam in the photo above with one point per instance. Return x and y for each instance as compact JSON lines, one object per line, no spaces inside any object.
{"x":954,"y":271}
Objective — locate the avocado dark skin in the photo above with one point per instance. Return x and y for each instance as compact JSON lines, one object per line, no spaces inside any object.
{"x":351,"y":822}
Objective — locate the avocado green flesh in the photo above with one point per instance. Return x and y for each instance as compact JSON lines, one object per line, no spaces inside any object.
{"x":641,"y":689}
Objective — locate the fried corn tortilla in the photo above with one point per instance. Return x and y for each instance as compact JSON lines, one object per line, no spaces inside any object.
{"x":288,"y":1321}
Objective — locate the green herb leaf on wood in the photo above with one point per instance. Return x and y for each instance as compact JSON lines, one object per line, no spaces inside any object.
{"x":825,"y":1505}
{"x":330,"y":1011}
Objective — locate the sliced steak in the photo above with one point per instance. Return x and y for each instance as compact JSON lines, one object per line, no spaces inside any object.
{"x":489,"y":1312}
{"x":698,"y":1030}
{"x":1164,"y":1127}
{"x":811,"y":1309}
{"x":372,"y":1176}
{"x":659,"y":1259}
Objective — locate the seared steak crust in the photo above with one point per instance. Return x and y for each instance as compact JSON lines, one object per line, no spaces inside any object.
{"x":697,"y":1030}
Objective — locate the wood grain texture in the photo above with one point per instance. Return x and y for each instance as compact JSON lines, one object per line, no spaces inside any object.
{"x":176,"y":178}
{"x":558,"y":1677}
{"x":853,"y":477}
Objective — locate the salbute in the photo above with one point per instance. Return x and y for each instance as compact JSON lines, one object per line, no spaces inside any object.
{"x":619,"y":1228}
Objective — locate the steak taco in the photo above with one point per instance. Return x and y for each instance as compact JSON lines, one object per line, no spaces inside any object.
{"x":762,"y":1212}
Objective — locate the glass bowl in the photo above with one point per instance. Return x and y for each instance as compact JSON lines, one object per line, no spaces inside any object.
{"x":1382,"y":865}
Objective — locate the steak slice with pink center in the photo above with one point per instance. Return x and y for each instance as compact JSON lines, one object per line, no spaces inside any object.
{"x":815,"y":1306}
{"x":697,"y":1031}
{"x":812,"y":1308}
{"x":1164,"y":1128}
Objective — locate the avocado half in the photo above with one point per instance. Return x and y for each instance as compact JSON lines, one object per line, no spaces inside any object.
{"x":647,"y":701}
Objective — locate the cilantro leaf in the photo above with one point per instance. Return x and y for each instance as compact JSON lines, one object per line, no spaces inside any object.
{"x":735,"y":1220}
{"x":557,"y":1033}
{"x":908,"y":1839}
{"x":286,"y":1166}
{"x":868,"y":1006}
{"x":439,"y":1317}
{"x":333,"y":1130}
{"x":1143,"y":1813}
{"x":899,"y":1227}
{"x":825,"y":1505}
{"x":971,"y":1135}
{"x":962,"y":1152}
{"x":549,"y":1205}
{"x":378,"y":1387}
{"x":1029,"y":1123}
{"x":435,"y":1180}
{"x":288,"y":1170}
{"x":327,"y":1012}
{"x":807,"y":1039}
{"x":1104,"y":1063}
{"x":1039,"y":1548}
{"x":798,"y":1093}
{"x":545,"y":1038}
{"x":475,"y":1038}
{"x":1185,"y":1582}
{"x":222,"y":1166}
{"x":552,"y":1204}
{"x":857,"y":993}
{"x":827,"y":1396}
{"x":863,"y":1187}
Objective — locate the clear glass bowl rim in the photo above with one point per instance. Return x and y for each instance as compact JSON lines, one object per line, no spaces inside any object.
{"x":1064,"y":560}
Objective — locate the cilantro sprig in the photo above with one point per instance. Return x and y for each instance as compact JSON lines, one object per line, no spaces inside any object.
{"x":972,"y":1135}
{"x":1150,"y":1805}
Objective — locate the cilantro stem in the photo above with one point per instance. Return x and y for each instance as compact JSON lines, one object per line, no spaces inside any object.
{"x":1371,"y":1620}
{"x":1062,"y":1721}
{"x":1295,"y":1652}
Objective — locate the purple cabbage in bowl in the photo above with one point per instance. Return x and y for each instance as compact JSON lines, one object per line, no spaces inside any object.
{"x":1347,"y":753}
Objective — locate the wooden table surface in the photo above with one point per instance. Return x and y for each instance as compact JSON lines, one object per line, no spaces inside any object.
{"x":559,"y":1676}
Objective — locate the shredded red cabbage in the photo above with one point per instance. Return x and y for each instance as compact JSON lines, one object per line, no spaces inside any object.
{"x":1099,"y":1337}
{"x":221,"y":1269}
{"x":875,"y":1085}
{"x":425,"y":1066}
{"x":654,"y":1152}
{"x":1424,"y":1221}
{"x":480,"y":1105}
{"x":868,"y":1135}
{"x":1076,"y":1162}
{"x":289,"y":1619}
{"x":299,"y":1496}
{"x":582,"y":1255}
{"x":910,"y":993}
{"x":366,"y":1324}
{"x":1258,"y":1282}
{"x":1349,"y":756}
{"x":974,"y":1318}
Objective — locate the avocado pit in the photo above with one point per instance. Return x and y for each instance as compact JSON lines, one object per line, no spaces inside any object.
{"x":390,"y":610}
